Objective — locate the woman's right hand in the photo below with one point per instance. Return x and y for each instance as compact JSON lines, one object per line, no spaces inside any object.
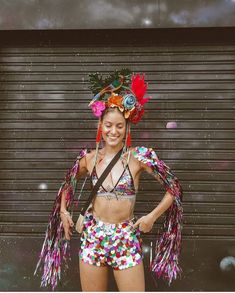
{"x":67,"y":224}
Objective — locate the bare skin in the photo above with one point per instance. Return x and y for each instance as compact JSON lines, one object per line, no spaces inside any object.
{"x":94,"y":278}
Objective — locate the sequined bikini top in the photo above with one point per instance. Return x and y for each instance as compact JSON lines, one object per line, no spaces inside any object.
{"x":123,"y":189}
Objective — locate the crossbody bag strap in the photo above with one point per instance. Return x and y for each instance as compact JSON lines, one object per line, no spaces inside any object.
{"x":100,"y":181}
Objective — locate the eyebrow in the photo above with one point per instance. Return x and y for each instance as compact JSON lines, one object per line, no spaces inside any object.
{"x":113,"y":123}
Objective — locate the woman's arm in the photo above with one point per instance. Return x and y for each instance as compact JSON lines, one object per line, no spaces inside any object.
{"x":166,"y":201}
{"x":65,"y":216}
{"x":55,"y":249}
{"x":80,"y":173}
{"x":150,"y":163}
{"x":168,"y":245}
{"x":164,"y":204}
{"x":146,"y":222}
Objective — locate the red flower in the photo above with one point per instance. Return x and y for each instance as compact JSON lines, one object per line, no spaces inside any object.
{"x":139,"y":88}
{"x":136,"y":114}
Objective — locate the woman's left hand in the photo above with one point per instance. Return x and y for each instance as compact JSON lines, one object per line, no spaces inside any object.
{"x":145,"y":223}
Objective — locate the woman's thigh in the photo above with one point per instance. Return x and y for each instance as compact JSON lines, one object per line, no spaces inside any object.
{"x":130,"y":279}
{"x":93,"y":278}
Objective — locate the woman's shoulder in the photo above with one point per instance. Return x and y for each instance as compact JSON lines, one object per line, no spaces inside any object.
{"x":145,"y":155}
{"x":143,"y":151}
{"x":86,"y":152}
{"x":85,"y":156}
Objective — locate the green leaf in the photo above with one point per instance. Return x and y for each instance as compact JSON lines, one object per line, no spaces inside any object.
{"x":98,"y":82}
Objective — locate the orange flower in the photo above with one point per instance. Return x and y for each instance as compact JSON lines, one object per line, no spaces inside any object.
{"x":115,"y":100}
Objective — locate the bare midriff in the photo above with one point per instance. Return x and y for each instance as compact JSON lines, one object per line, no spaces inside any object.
{"x":112,"y":210}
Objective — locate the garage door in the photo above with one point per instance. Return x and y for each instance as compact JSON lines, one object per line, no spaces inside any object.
{"x":189,"y":121}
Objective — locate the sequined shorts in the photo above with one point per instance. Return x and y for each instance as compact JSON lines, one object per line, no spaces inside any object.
{"x":118,"y":245}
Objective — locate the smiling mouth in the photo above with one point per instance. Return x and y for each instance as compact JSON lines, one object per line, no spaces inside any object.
{"x":113,"y":137}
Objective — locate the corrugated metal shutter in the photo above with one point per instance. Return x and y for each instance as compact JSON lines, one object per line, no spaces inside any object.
{"x":45,"y":121}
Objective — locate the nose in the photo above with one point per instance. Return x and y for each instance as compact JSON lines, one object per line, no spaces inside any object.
{"x":113,"y":130}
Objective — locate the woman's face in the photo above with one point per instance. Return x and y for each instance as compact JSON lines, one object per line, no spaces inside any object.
{"x":113,"y":128}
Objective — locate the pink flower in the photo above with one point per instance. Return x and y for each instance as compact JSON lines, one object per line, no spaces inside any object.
{"x":97,"y":108}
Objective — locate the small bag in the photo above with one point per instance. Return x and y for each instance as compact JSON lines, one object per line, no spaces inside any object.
{"x":79,"y":224}
{"x":80,"y":221}
{"x":88,"y":205}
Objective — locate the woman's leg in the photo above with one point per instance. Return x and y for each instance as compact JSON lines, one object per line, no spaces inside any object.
{"x":130,"y":279}
{"x":93,"y":271}
{"x":93,"y":278}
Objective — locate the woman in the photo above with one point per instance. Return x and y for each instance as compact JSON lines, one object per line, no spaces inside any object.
{"x":110,"y":235}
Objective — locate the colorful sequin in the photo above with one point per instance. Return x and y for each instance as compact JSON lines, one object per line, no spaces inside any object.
{"x":118,"y":245}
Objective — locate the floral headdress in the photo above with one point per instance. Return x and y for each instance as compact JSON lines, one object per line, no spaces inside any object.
{"x":122,"y":89}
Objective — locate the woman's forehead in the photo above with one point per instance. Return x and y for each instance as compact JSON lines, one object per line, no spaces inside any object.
{"x":114,"y":117}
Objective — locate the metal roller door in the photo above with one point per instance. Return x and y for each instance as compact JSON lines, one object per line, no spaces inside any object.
{"x":189,"y":121}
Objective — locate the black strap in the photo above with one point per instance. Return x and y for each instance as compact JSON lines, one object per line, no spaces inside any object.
{"x":100,"y":181}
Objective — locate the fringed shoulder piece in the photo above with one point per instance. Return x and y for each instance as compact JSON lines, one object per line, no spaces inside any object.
{"x":56,"y":248}
{"x":168,"y":246}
